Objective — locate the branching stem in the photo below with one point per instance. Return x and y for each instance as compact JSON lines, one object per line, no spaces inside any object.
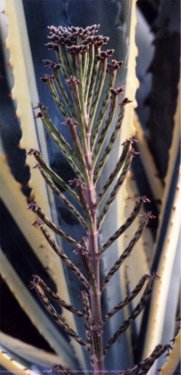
{"x":95,"y":293}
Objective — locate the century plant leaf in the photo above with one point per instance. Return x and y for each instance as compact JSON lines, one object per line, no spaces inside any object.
{"x":12,"y":366}
{"x":170,"y":245}
{"x":10,"y":190}
{"x":173,"y":358}
{"x":28,"y":353}
{"x":16,"y":203}
{"x":25,"y":93}
{"x":33,"y":310}
{"x":158,"y":309}
{"x":149,"y":165}
{"x":172,"y":162}
{"x":134,"y":266}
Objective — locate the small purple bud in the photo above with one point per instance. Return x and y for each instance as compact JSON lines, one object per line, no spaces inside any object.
{"x":126,"y":101}
{"x":32,"y":205}
{"x":39,"y":115}
{"x":37,"y":223}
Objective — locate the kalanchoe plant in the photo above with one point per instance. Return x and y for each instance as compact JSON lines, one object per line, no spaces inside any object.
{"x":82,"y":82}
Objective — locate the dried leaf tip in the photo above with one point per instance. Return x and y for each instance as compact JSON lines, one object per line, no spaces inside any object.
{"x":115,"y":92}
{"x":126,"y":101}
{"x":40,"y":106}
{"x":38,"y":223}
{"x":33,"y":151}
{"x":32,"y":205}
{"x":143,"y":198}
{"x":73,"y":81}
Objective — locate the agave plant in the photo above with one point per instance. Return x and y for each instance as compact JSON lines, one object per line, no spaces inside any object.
{"x":85,"y":85}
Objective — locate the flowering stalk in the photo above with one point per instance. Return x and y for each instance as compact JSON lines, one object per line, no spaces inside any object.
{"x":82,"y":83}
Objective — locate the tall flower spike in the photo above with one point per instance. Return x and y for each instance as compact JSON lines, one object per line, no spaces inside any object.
{"x":82,"y":83}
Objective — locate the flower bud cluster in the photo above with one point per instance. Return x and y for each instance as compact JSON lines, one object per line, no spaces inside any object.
{"x":105,"y":54}
{"x":114,"y":65}
{"x":50,"y":64}
{"x":75,"y":39}
{"x":73,"y":81}
{"x":115,"y":92}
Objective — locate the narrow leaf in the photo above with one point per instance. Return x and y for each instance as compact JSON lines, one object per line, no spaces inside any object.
{"x":60,"y":141}
{"x":128,"y":249}
{"x":116,"y":170}
{"x":57,"y":317}
{"x":88,"y":73}
{"x":99,"y":122}
{"x":105,"y":129}
{"x":126,"y":225}
{"x":115,"y":190}
{"x":109,"y":147}
{"x":55,"y":177}
{"x":173,"y":358}
{"x":144,"y":366}
{"x":87,"y":315}
{"x":39,"y":212}
{"x":62,"y":198}
{"x":49,"y":293}
{"x":62,"y":370}
{"x":64,"y":258}
{"x":99,"y":88}
{"x":136,"y":311}
{"x":50,"y":81}
{"x":88,"y":269}
{"x":129,"y":298}
{"x":93,"y":78}
{"x":37,"y":316}
{"x":63,"y":92}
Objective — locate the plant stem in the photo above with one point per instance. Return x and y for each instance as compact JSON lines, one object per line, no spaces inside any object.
{"x":95,"y":295}
{"x":95,"y":292}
